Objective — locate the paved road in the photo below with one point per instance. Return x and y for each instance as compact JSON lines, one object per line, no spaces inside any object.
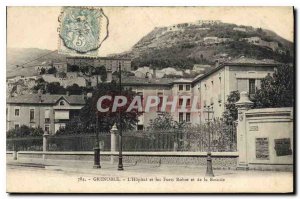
{"x":36,"y":177}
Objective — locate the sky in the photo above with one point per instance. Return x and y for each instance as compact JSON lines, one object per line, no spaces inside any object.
{"x":36,"y":27}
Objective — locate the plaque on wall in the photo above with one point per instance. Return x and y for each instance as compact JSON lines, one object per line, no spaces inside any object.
{"x":283,"y":147}
{"x":262,"y":148}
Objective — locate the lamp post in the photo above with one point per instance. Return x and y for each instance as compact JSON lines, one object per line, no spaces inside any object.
{"x":96,"y":148}
{"x":209,"y":169}
{"x":120,"y":164}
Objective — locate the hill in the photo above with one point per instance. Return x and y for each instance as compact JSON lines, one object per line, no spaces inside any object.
{"x":17,"y":57}
{"x":183,"y":45}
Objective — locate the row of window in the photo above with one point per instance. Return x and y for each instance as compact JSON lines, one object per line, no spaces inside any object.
{"x":186,"y":86}
{"x":32,"y":113}
{"x":187,"y":117}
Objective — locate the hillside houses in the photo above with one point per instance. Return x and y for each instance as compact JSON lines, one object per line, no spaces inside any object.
{"x":259,"y":42}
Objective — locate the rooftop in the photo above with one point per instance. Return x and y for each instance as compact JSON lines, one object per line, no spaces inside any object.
{"x":246,"y":60}
{"x":45,"y":99}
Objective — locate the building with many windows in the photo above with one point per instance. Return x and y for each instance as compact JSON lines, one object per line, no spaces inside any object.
{"x":210,"y":89}
{"x":50,"y":112}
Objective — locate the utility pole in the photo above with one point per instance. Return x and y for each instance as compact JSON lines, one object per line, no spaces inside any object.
{"x":209,"y":169}
{"x":120,"y":165}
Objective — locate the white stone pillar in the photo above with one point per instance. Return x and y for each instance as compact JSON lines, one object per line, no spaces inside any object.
{"x":45,"y":144}
{"x":243,"y":105}
{"x":113,"y":142}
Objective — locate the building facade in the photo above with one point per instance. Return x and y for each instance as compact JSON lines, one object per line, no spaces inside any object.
{"x":109,"y":63}
{"x":208,"y":90}
{"x":50,"y":112}
{"x":211,"y":89}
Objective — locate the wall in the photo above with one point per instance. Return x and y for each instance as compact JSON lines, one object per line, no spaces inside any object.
{"x":212,"y":94}
{"x":222,"y":160}
{"x":270,"y":123}
{"x":24,"y":116}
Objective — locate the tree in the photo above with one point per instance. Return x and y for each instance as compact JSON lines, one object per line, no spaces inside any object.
{"x":276,"y":90}
{"x":102,"y":72}
{"x":55,"y":88}
{"x":62,"y":75}
{"x":40,"y":85}
{"x":43,"y":71}
{"x":166,"y":122}
{"x":163,"y":122}
{"x":75,"y":89}
{"x":51,"y":70}
{"x":231,"y":112}
{"x":24,"y":131}
{"x":107,"y":119}
{"x":73,"y":68}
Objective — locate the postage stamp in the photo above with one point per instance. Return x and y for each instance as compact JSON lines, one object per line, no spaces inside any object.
{"x":82,"y":30}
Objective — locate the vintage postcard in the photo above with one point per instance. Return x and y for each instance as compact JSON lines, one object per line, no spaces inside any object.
{"x":150,"y":100}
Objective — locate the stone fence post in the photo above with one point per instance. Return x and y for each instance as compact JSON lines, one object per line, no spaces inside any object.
{"x":243,"y":105}
{"x":113,"y":142}
{"x":45,"y":144}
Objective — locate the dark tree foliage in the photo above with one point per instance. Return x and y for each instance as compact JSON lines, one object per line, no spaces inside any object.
{"x":52,"y":70}
{"x":107,"y":119}
{"x":24,"y":131}
{"x":75,"y":89}
{"x":166,"y":122}
{"x":55,"y":88}
{"x":43,"y":71}
{"x":40,"y":86}
{"x":231,"y":112}
{"x":73,"y":68}
{"x":102,"y":72}
{"x":276,"y":90}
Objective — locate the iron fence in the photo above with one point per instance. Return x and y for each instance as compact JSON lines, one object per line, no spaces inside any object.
{"x":191,"y":139}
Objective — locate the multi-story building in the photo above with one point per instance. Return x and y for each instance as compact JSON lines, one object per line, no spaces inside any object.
{"x":50,"y":112}
{"x":243,"y":74}
{"x":109,"y":63}
{"x":210,"y":89}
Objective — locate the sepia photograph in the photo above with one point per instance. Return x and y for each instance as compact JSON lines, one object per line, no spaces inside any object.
{"x":150,"y":99}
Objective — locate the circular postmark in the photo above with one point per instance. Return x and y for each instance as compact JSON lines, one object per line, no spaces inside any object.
{"x":81,"y":29}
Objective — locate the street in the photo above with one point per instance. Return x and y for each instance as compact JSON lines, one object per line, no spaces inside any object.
{"x":32,"y":177}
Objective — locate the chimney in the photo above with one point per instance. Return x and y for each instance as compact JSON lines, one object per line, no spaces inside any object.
{"x":109,"y":75}
{"x":217,"y":63}
{"x":68,"y":93}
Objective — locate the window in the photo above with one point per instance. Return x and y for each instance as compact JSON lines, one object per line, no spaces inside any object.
{"x":212,"y":83}
{"x":180,"y":117}
{"x":283,"y":147}
{"x":251,"y":86}
{"x":140,"y":127}
{"x":47,"y":128}
{"x":17,"y":125}
{"x":262,"y":148}
{"x":47,"y":113}
{"x":180,"y":102}
{"x":188,"y":102}
{"x":188,"y":117}
{"x":180,"y":87}
{"x":159,"y":106}
{"x":61,"y":103}
{"x":17,"y":112}
{"x":188,"y":87}
{"x":31,"y":115}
